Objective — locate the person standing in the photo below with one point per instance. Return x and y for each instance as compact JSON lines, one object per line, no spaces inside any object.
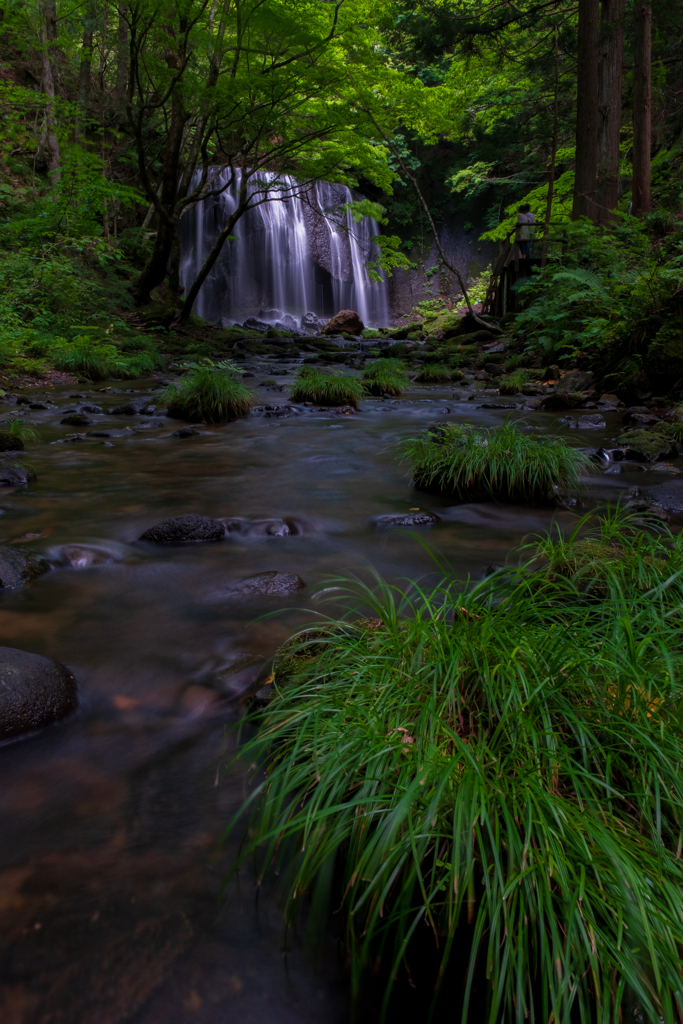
{"x":525,"y":220}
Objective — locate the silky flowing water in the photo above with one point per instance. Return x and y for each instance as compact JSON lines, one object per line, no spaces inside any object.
{"x":111,"y":873}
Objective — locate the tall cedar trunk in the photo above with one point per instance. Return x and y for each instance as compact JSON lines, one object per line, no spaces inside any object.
{"x":122,"y":56}
{"x":48,"y":146}
{"x":642,"y":107}
{"x":85,"y":65}
{"x":609,"y":106}
{"x":553,"y":158}
{"x":586,"y":186}
{"x":167,"y":230}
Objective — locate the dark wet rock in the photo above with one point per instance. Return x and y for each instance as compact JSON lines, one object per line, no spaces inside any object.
{"x":77,"y":419}
{"x":668,"y":496}
{"x":87,"y":407}
{"x":18,"y":567}
{"x":78,"y":394}
{"x":533,"y":404}
{"x":291,"y":525}
{"x":185,"y":529}
{"x":498,"y":405}
{"x":139,"y":408}
{"x":552,"y":373}
{"x":127,"y":432}
{"x":252,"y":324}
{"x":406,"y":519}
{"x":15,"y":474}
{"x":9,"y":442}
{"x":80,"y":557}
{"x":576,"y":380}
{"x":270,"y":584}
{"x":185,"y":432}
{"x":494,"y":369}
{"x":593,"y":421}
{"x":34,"y":692}
{"x":647,"y":445}
{"x":40,"y":405}
{"x":71,"y":439}
{"x":276,"y":411}
{"x":345,"y":321}
{"x":639,"y":416}
{"x":609,"y":401}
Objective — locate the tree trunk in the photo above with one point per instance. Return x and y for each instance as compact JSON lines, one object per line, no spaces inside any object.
{"x":642,"y":107}
{"x":553,"y":159}
{"x":609,"y":106}
{"x":209,"y":263}
{"x":48,"y":145}
{"x":122,"y":62}
{"x":586,"y":185}
{"x":157,"y":265}
{"x":85,"y":65}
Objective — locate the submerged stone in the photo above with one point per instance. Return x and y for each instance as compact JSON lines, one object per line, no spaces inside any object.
{"x":9,"y":442}
{"x":186,"y":529}
{"x":19,"y":567}
{"x":15,"y":474}
{"x":406,"y":519}
{"x":646,"y":444}
{"x":269,"y":584}
{"x":34,"y":692}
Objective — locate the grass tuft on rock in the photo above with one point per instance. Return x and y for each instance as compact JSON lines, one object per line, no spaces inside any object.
{"x":386,"y":376}
{"x":505,"y":463}
{"x":500,"y":764}
{"x":438,"y":374}
{"x":324,"y":389}
{"x":514,"y":382}
{"x":208,"y":394}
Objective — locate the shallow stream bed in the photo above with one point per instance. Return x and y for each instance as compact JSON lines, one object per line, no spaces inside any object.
{"x":110,"y":868}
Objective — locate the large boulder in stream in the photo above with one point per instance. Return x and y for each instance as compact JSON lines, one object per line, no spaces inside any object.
{"x":34,"y":692}
{"x":19,"y":567}
{"x":268,"y":584}
{"x":186,"y":529}
{"x":14,"y":473}
{"x":346,"y":321}
{"x":9,"y":442}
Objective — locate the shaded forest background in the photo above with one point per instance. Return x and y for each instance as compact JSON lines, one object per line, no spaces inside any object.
{"x":116,"y":118}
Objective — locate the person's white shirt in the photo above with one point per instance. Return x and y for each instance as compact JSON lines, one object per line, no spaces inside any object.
{"x":523,"y":233}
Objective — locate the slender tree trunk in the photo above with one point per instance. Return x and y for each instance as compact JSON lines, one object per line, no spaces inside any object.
{"x":642,"y":107}
{"x":157,"y":265}
{"x":48,"y":145}
{"x":122,"y":60}
{"x":84,"y":76}
{"x":586,"y":186}
{"x":209,"y":263}
{"x":553,"y":159}
{"x":609,"y":106}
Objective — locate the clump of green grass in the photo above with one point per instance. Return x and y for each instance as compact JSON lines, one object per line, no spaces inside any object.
{"x":499,"y":462}
{"x":386,"y":376}
{"x":210,"y":394}
{"x":88,"y":357}
{"x":613,"y":551}
{"x":502,"y":764}
{"x":514,"y":382}
{"x":324,"y":389}
{"x":18,"y":429}
{"x":438,"y":373}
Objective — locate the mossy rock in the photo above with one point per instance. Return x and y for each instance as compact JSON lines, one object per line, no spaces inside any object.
{"x":401,"y":333}
{"x":9,"y":442}
{"x":664,"y":359}
{"x":648,"y":445}
{"x":370,"y":332}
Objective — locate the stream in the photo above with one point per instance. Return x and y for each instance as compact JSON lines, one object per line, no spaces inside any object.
{"x":111,"y":901}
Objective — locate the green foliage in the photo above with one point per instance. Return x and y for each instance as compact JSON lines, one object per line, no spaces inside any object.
{"x":501,"y":763}
{"x":93,"y":357}
{"x":208,"y":393}
{"x":386,"y":376}
{"x":437,"y":373}
{"x":323,"y":389}
{"x":503,"y":463}
{"x":514,"y":382}
{"x":17,"y":428}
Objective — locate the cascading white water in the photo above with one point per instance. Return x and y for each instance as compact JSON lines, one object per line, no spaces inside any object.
{"x":293,"y":255}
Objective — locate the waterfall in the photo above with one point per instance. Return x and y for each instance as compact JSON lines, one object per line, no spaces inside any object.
{"x":291,"y":256}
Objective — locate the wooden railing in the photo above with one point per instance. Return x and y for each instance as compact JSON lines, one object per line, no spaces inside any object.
{"x":501,"y":297}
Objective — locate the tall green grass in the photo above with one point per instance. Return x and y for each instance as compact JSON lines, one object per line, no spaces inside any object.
{"x":438,"y":374}
{"x":386,"y":376}
{"x":502,"y":764}
{"x":208,"y":393}
{"x":324,"y":389}
{"x":87,"y":356}
{"x":514,"y":382}
{"x":500,"y":462}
